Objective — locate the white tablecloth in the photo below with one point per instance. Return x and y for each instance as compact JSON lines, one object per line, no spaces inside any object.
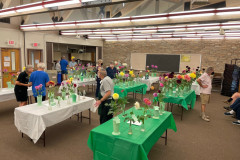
{"x":79,"y":83}
{"x":150,"y":81}
{"x":196,"y":88}
{"x":33,"y":120}
{"x":7,"y":94}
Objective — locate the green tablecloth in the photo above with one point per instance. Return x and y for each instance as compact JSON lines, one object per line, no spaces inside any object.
{"x":106,"y":146}
{"x":123,"y":91}
{"x":188,"y":99}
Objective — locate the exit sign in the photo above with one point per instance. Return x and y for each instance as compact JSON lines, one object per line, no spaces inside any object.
{"x":11,"y":43}
{"x":35,"y":44}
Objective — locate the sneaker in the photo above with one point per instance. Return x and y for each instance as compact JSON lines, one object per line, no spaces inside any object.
{"x":205,"y":116}
{"x":226,"y":102}
{"x":205,"y":119}
{"x":228,"y":114}
{"x":236,"y":122}
{"x":227,"y":108}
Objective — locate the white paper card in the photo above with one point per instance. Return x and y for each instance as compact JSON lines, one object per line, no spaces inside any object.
{"x":6,"y":58}
{"x":6,"y":64}
{"x":136,"y":123}
{"x":134,"y":118}
{"x":36,"y":61}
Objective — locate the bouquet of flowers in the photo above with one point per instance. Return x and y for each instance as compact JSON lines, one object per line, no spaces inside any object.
{"x":39,"y":89}
{"x":145,"y":115}
{"x":51,"y":90}
{"x":115,"y":107}
{"x":154,"y":68}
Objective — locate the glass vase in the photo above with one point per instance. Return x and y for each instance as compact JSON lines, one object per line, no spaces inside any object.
{"x":152,"y":74}
{"x":143,"y":127}
{"x":82,"y":78}
{"x":74,"y":98}
{"x":170,"y":91}
{"x":116,"y":125}
{"x":155,"y":74}
{"x":9,"y":84}
{"x":162,"y":108}
{"x":63,"y":95}
{"x":68,"y":100}
{"x":39,"y":100}
{"x":156,"y":112}
{"x":130,"y":129}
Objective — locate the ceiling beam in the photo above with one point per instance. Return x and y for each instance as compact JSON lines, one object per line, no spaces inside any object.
{"x":67,"y":14}
{"x":175,"y":6}
{"x":6,"y":3}
{"x":128,"y":8}
{"x":67,"y":7}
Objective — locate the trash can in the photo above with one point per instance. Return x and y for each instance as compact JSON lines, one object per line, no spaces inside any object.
{"x":59,"y":78}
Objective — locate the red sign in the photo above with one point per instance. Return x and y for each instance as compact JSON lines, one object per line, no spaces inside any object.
{"x":35,"y":44}
{"x":11,"y":42}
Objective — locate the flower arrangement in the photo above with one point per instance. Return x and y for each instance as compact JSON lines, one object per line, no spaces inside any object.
{"x":144,"y":116}
{"x":154,"y":68}
{"x":116,"y":104}
{"x":39,"y":89}
{"x":63,"y":87}
{"x":51,"y":90}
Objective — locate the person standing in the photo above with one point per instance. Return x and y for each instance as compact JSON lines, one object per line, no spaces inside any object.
{"x":205,"y":83}
{"x":39,"y":77}
{"x":105,"y":96}
{"x":73,"y":63}
{"x":111,"y":71}
{"x":58,"y":66}
{"x":99,"y":66}
{"x":64,"y":65}
{"x":21,"y":86}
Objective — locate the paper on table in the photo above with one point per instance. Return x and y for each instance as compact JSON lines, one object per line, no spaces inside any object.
{"x":136,"y":123}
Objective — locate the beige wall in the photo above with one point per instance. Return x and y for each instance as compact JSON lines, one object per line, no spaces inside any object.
{"x":214,"y":52}
{"x":38,"y":37}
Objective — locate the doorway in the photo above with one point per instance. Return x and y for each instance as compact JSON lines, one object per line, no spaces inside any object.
{"x":11,"y":61}
{"x":34,"y":57}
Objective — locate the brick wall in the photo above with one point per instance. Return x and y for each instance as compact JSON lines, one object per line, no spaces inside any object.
{"x":214,"y":52}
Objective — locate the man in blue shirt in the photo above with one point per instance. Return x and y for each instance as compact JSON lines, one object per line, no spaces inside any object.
{"x":64,"y":65}
{"x":111,"y":71}
{"x":39,"y":77}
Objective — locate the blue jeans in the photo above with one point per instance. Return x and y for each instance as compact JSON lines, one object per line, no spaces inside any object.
{"x":236,"y":107}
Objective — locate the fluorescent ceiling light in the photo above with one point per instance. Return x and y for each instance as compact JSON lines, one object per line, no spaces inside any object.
{"x":57,"y":4}
{"x":149,"y":19}
{"x":192,"y":15}
{"x":228,"y":13}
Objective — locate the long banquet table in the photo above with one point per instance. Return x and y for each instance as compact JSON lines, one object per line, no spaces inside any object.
{"x":106,"y":146}
{"x":188,"y":99}
{"x":7,"y":94}
{"x":123,"y":91}
{"x":33,"y":120}
{"x":149,"y":81}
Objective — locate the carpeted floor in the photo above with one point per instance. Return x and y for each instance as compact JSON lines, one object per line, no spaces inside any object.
{"x":194,"y":140}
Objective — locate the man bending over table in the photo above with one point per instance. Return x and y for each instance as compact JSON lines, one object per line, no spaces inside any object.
{"x":105,"y":96}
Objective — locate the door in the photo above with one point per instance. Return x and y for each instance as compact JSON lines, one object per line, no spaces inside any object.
{"x":34,"y":57}
{"x":10,"y":59}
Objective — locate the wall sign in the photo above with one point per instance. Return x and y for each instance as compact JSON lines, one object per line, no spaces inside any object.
{"x":6,"y":58}
{"x":11,"y":43}
{"x":35,"y":44}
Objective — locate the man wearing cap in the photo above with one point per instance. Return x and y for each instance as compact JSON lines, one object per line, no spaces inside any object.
{"x":73,"y":63}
